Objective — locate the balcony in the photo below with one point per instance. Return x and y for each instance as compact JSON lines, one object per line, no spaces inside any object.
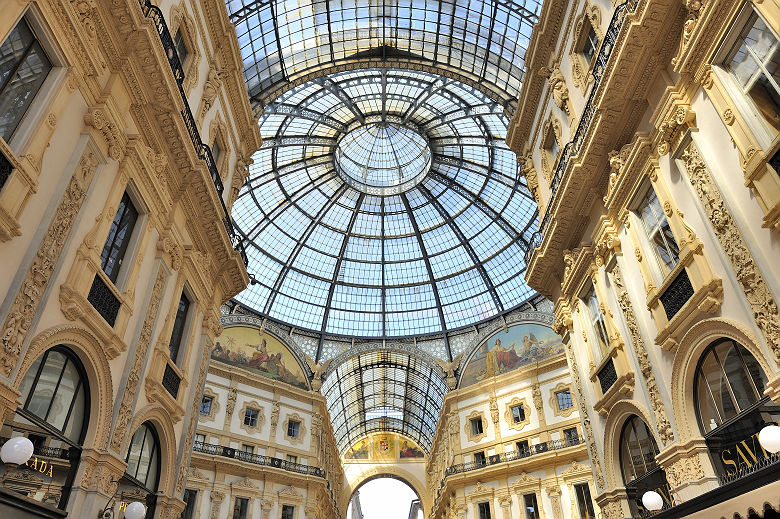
{"x":5,"y":169}
{"x":257,"y":459}
{"x":676,"y":294}
{"x":539,"y":448}
{"x":201,"y":149}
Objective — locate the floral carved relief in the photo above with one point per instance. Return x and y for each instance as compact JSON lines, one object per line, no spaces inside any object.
{"x":762,"y":304}
{"x":134,"y":377}
{"x":27,"y":300}
{"x":663,"y":426}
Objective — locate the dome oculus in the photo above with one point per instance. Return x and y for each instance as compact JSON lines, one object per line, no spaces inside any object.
{"x":382,"y":158}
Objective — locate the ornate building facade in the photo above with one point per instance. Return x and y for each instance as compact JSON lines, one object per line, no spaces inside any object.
{"x":649,"y":134}
{"x":119,"y":161}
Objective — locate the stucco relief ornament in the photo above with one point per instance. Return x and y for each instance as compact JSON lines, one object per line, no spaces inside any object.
{"x":274,"y":415}
{"x":317,"y":369}
{"x":560,"y":92}
{"x":760,"y":299}
{"x":449,"y":369}
{"x":231,"y":401}
{"x":665,"y":431}
{"x":29,"y":297}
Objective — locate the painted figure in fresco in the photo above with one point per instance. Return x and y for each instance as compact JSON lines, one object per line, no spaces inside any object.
{"x":259,"y":357}
{"x":505,"y":357}
{"x":358,"y":452}
{"x":409,"y":451}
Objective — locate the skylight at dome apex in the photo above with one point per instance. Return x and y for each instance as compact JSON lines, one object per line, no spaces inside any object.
{"x":384,"y":202}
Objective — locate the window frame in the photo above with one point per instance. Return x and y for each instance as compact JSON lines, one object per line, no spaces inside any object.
{"x":520,"y":416}
{"x":474,"y":423}
{"x":480,"y":460}
{"x":255,"y":417}
{"x":51,"y":86}
{"x":294,"y":426}
{"x":632,"y":422}
{"x":597,"y":326}
{"x":119,"y":275}
{"x":189,"y":504}
{"x":525,"y":507}
{"x":179,"y":355}
{"x":210,"y":404}
{"x":243,"y":510}
{"x":157,"y":450}
{"x":581,"y":499}
{"x":483,"y":510}
{"x":289,"y":510}
{"x":759,"y":127}
{"x":660,"y":271}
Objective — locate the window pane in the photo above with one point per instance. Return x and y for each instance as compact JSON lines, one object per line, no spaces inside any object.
{"x":23,"y":69}
{"x":63,"y":398}
{"x":531,"y":507}
{"x":44,"y":391}
{"x":178,"y":326}
{"x":118,"y":238}
{"x":584,"y":501}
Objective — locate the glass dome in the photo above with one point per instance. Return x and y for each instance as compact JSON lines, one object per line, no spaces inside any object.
{"x":382,"y":158}
{"x":439,"y":246}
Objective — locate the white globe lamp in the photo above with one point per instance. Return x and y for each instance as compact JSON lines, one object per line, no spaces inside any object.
{"x":135,"y":510}
{"x":652,"y":501}
{"x":17,"y":451}
{"x":769,"y":438}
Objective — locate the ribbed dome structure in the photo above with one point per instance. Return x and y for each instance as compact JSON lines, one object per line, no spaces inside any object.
{"x":384,"y":203}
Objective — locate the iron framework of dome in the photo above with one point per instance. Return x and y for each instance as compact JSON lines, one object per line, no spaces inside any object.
{"x":443,"y":253}
{"x":293,"y":41}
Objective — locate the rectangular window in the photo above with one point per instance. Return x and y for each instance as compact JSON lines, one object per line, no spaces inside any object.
{"x":522,"y":448}
{"x":564,"y":399}
{"x":200,"y":438}
{"x":484,"y":510}
{"x":754,"y":62}
{"x":292,"y":458}
{"x":583,"y":501}
{"x":178,"y":326}
{"x":249,"y":449}
{"x":250,"y":417}
{"x":479,"y":459}
{"x":518,"y":413}
{"x":288,"y":512}
{"x":476,"y":426}
{"x":190,"y":499}
{"x":591,"y":44}
{"x":597,"y":321}
{"x":216,"y":152}
{"x":531,"y":508}
{"x":662,"y":241}
{"x":181,"y":47}
{"x":571,"y":436}
{"x":24,"y":67}
{"x":293,"y":428}
{"x":118,"y":238}
{"x":241,"y":508}
{"x":205,"y":405}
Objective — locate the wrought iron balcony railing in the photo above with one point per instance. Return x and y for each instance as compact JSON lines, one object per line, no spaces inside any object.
{"x":573,"y":147}
{"x":257,"y":459}
{"x":171,"y":381}
{"x":45,"y":452}
{"x":533,"y":450}
{"x":607,"y":376}
{"x":676,"y":294}
{"x":201,"y":149}
{"x":103,"y":299}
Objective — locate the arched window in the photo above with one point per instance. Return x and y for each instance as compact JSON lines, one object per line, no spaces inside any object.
{"x":54,"y":415}
{"x":637,"y":449}
{"x":729,"y":380}
{"x":54,"y":390}
{"x":143,"y":457}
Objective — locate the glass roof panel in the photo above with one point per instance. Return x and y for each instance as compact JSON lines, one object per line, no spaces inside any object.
{"x":282,"y":41}
{"x":412,"y":234}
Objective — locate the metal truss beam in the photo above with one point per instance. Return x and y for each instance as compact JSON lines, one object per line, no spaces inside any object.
{"x":305,"y":113}
{"x":281,"y":142}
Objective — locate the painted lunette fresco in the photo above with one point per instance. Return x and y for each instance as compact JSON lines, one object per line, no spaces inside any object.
{"x":260,"y":353}
{"x":384,"y":446}
{"x":520,"y":345}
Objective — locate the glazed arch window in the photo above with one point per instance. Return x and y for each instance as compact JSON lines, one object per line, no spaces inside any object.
{"x":119,"y":236}
{"x":54,"y":416}
{"x":637,"y":449}
{"x":729,"y":380}
{"x":143,"y":458}
{"x":658,"y":232}
{"x":24,"y":67}
{"x":753,"y":60}
{"x":54,"y":391}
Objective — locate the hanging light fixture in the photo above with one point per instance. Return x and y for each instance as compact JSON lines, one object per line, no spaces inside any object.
{"x":652,"y":500}
{"x":16,"y":451}
{"x":769,"y":438}
{"x":135,"y":510}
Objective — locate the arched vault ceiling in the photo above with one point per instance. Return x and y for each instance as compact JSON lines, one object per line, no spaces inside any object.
{"x":482,"y":41}
{"x":429,"y":237}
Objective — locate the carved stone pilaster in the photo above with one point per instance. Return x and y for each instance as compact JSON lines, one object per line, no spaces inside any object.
{"x":26,"y":303}
{"x":134,"y":377}
{"x":663,"y":426}
{"x":756,"y":290}
{"x":216,"y":501}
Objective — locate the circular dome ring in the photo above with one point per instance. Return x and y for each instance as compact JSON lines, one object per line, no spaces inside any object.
{"x":331,"y":258}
